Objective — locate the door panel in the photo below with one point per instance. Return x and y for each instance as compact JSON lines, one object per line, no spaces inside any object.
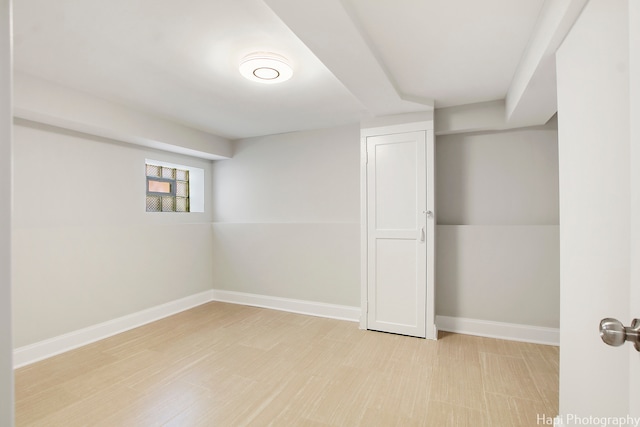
{"x":396,"y":233}
{"x":395,"y":190}
{"x":395,"y":289}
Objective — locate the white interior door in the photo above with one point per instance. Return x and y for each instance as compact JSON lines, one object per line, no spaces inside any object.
{"x":397,"y":233}
{"x":634,"y":137}
{"x":599,"y":149}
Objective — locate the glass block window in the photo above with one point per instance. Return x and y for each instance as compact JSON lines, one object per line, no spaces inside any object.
{"x":167,"y":189}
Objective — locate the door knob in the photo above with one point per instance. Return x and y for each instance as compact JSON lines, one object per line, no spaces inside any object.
{"x":614,"y":333}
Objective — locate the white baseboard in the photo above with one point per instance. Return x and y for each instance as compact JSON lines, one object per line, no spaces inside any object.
{"x":319,"y":309}
{"x":506,"y":331}
{"x":44,"y":349}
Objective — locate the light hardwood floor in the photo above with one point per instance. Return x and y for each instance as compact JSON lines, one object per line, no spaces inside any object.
{"x":230,"y":365}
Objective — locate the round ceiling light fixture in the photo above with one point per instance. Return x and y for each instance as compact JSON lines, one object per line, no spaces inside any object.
{"x":266,"y":67}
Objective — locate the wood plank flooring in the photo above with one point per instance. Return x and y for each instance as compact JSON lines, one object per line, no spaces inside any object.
{"x":230,"y":365}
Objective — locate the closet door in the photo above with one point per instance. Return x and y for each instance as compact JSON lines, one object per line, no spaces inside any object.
{"x":397,"y":233}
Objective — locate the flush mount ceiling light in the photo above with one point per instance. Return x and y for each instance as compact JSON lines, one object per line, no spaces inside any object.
{"x":265,"y":67}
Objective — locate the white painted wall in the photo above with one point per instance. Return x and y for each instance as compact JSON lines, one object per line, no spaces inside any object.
{"x":6,"y":344}
{"x":594,"y":152}
{"x":84,"y":249}
{"x":482,"y":116}
{"x":46,"y":102}
{"x":497,"y":250}
{"x":504,"y":274}
{"x":286,"y":216}
{"x":498,"y":178}
{"x":309,"y":177}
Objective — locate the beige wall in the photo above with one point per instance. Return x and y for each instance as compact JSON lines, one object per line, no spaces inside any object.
{"x":84,"y":249}
{"x":286,"y":216}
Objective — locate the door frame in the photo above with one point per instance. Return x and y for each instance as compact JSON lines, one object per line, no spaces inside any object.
{"x":417,"y":126}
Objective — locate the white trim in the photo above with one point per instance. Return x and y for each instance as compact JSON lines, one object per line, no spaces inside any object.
{"x":364,"y":245}
{"x":505,"y":331}
{"x":44,"y":349}
{"x":32,"y":353}
{"x":431,"y":329}
{"x":312,"y":308}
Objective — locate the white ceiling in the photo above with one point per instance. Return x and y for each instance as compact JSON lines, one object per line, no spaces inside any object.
{"x":455,"y":51}
{"x":352,"y":58}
